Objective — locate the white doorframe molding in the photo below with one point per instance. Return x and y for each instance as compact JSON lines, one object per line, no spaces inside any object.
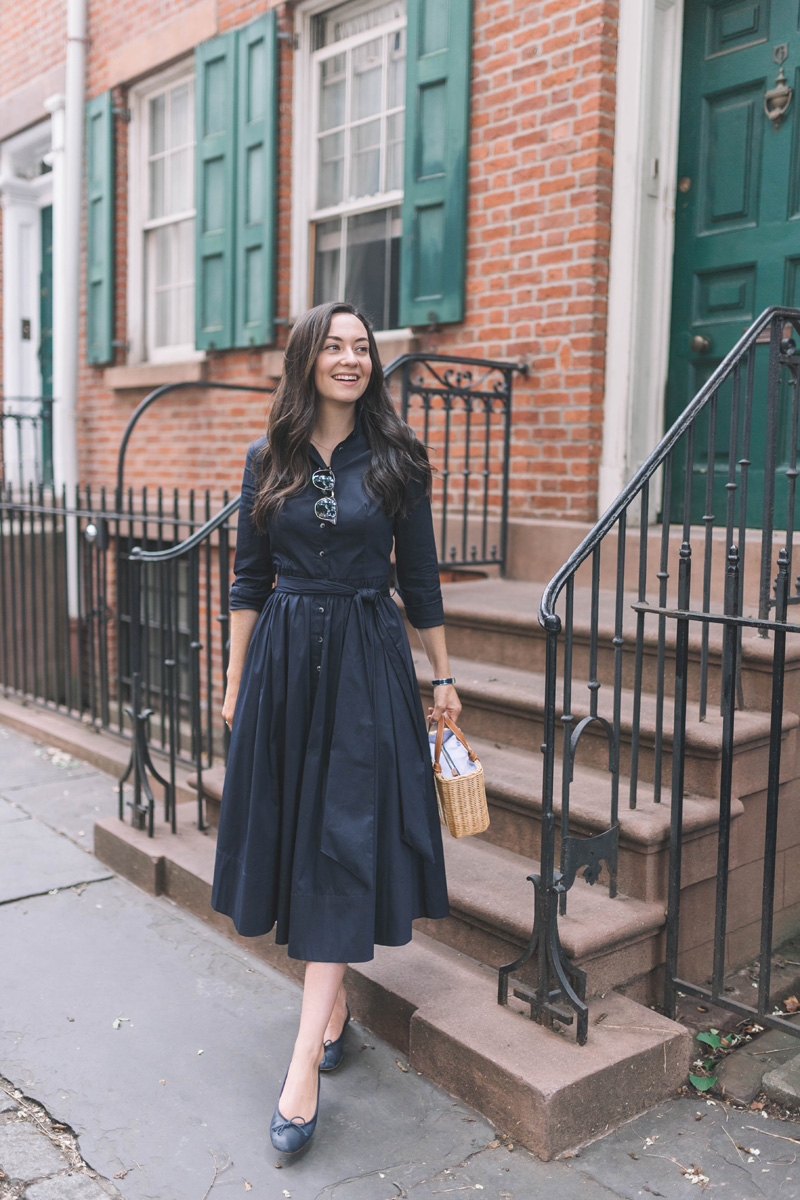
{"x":642,"y":236}
{"x":24,"y":192}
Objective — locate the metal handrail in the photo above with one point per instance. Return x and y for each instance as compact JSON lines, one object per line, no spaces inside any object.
{"x":590,"y":705}
{"x":548,"y":617}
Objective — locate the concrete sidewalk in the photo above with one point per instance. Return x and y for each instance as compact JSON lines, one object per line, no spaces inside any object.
{"x":161,"y":1045}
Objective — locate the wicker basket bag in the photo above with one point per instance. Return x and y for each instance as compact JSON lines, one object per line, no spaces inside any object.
{"x":462,"y":799}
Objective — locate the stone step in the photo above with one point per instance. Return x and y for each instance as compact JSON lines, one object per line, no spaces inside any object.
{"x":506,"y":704}
{"x":496,"y":621}
{"x":514,"y":791}
{"x":439,"y":1008}
{"x":615,"y":941}
{"x":538,"y":549}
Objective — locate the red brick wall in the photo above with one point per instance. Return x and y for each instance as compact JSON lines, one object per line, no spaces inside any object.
{"x":537,"y":255}
{"x":33,"y":40}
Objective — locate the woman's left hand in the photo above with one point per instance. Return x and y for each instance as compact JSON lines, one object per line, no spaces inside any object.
{"x":445,"y":701}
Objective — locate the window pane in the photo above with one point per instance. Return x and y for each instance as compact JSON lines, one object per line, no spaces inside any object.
{"x":365,"y":177}
{"x":332,"y":92}
{"x":184,"y":333}
{"x":367,"y":79}
{"x":158,"y":130}
{"x":394,"y":150}
{"x":157,"y":204}
{"x":162,"y":265}
{"x":331,"y":163}
{"x":162,"y":322}
{"x":185,"y":252}
{"x":180,"y":181}
{"x":327,"y":258}
{"x":372,"y":276}
{"x":179,"y":116}
{"x":397,"y":70}
{"x":349,"y":19}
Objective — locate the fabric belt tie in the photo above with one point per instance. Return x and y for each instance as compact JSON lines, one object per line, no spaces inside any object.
{"x":348,"y":824}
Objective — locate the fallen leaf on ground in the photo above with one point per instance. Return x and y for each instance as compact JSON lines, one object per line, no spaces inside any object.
{"x":401,"y":1065}
{"x":792,"y":1004}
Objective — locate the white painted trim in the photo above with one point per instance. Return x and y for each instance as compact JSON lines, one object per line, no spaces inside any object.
{"x":22,"y":200}
{"x":137,"y":182}
{"x":642,"y":238}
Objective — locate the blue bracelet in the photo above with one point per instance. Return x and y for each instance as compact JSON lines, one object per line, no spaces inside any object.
{"x":436,"y":682}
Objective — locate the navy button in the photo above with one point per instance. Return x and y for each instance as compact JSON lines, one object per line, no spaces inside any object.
{"x":320,"y":609}
{"x":319,"y":639}
{"x":319,"y":668}
{"x":322,"y":524}
{"x":322,"y":553}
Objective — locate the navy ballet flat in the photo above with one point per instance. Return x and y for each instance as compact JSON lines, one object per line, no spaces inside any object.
{"x":291,"y":1136}
{"x":332,"y":1058}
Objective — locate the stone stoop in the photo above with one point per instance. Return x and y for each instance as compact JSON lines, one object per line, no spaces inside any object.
{"x":439,"y":1008}
{"x":506,"y":704}
{"x":495,"y":621}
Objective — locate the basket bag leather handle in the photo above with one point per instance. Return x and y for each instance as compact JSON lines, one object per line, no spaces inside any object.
{"x":444,"y":719}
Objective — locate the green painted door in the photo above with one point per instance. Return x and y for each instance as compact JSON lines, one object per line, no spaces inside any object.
{"x":46,"y":303}
{"x":737,"y":220}
{"x":46,"y":338}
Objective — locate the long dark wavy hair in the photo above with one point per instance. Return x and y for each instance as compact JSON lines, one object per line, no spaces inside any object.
{"x":284,"y":468}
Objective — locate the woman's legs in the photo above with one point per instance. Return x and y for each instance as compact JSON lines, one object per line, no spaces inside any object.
{"x":322,"y":993}
{"x":336,"y":1024}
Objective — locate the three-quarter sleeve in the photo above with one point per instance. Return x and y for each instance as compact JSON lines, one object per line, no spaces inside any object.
{"x":253,"y":568}
{"x":417,"y":561}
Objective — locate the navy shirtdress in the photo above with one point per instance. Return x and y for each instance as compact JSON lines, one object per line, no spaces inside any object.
{"x":328,"y":824}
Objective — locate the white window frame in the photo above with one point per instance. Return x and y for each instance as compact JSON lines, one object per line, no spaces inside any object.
{"x":304,"y":160}
{"x":139,"y":97}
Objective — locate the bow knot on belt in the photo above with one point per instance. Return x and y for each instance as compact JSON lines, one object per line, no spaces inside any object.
{"x":350,"y":786}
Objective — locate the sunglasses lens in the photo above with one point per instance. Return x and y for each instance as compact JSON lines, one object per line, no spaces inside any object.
{"x":324,"y":480}
{"x":325,"y":508}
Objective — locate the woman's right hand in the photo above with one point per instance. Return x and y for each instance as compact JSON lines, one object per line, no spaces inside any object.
{"x":229,"y":703}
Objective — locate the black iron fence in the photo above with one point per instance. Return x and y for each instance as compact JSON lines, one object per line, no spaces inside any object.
{"x":115,"y":608}
{"x":26,"y":441}
{"x":654,"y":685}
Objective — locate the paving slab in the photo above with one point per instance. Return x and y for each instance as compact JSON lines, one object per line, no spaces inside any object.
{"x":72,"y":1186}
{"x":68,"y":804}
{"x":782,"y":1084}
{"x":740,"y":1075}
{"x":9,"y":812}
{"x":24,"y":761}
{"x":36,"y":859}
{"x":647,"y":1156}
{"x":26,"y":1153}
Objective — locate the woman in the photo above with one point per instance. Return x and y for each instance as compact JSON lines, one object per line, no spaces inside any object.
{"x":328,"y":825}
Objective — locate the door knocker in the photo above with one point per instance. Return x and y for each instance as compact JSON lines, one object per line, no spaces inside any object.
{"x":778,"y":98}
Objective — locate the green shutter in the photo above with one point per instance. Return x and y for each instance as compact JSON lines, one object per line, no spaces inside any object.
{"x":100,"y":230}
{"x":255,"y":182}
{"x":215,"y":114}
{"x":436,"y":152}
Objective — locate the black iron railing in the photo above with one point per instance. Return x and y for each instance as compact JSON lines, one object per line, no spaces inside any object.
{"x":648,"y":679}
{"x":461,"y":409}
{"x":66,"y":625}
{"x":115,"y":608}
{"x":26,"y":441}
